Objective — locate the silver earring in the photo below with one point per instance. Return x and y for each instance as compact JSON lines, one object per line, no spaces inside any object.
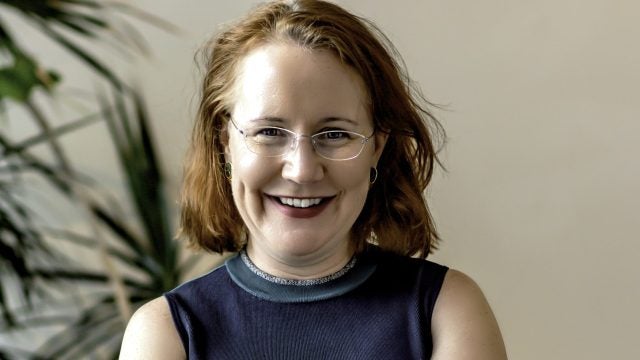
{"x":227,"y":170}
{"x":373,"y":175}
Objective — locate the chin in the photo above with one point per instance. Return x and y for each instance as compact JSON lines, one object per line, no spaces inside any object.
{"x":312,"y":244}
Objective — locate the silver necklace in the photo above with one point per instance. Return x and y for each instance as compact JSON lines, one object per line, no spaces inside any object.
{"x":295,"y":282}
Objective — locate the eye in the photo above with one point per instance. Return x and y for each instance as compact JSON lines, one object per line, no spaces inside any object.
{"x":337,"y":134}
{"x":269,"y":131}
{"x":335,"y":138}
{"x":266,"y":132}
{"x":268,"y":136}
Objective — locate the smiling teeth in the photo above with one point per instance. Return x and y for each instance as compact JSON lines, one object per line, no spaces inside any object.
{"x":300,"y":203}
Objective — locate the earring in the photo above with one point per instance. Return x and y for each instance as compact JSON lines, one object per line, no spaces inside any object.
{"x":373,"y":175}
{"x":227,"y":170}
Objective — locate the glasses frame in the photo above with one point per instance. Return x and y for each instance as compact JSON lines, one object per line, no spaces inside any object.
{"x":296,"y":139}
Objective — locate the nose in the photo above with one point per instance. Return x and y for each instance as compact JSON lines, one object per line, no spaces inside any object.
{"x":302,"y":164}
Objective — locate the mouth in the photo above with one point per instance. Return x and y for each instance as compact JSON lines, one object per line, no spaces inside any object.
{"x":301,"y":207}
{"x":301,"y":203}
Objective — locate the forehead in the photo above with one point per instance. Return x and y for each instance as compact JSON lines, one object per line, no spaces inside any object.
{"x":292,"y":82}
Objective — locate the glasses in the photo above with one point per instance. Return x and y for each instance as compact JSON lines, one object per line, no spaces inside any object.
{"x":270,"y":141}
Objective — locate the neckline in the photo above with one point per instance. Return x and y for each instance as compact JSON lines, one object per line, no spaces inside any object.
{"x":295,"y":282}
{"x":268,"y":287}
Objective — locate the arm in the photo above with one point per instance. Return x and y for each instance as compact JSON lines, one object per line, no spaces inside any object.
{"x":151,"y":334}
{"x":463,"y":326}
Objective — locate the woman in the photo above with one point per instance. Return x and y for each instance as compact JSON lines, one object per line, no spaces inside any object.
{"x":309,"y":148}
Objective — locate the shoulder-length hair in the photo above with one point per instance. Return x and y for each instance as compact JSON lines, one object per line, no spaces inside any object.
{"x":395,"y":215}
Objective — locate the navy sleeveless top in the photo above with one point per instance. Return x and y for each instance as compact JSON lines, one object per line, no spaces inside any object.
{"x":378,"y":307}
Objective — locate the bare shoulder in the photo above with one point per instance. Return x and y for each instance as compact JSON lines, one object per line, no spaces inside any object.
{"x":463,"y":324}
{"x":151,"y":334}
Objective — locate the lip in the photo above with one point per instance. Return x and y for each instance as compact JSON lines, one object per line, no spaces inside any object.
{"x":301,"y":213}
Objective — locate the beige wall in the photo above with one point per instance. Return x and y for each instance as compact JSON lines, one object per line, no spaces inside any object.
{"x":540,"y":201}
{"x":540,"y":204}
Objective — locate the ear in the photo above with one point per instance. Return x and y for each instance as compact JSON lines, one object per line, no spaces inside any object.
{"x":380,"y":140}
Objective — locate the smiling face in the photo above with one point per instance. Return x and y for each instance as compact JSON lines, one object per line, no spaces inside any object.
{"x":299,"y":207}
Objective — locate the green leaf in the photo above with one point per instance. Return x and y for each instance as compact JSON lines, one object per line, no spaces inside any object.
{"x":129,"y":130}
{"x":120,"y":230}
{"x":18,"y":81}
{"x":86,"y":3}
{"x":57,"y":132}
{"x":7,"y":315}
{"x":82,"y":54}
{"x":94,"y":323}
{"x":144,"y":264}
{"x":29,"y":161}
{"x":81,"y":275}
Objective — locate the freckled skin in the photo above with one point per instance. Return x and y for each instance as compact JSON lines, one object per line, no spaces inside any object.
{"x":301,"y":88}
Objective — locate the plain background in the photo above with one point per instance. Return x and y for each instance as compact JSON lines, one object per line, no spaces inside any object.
{"x":540,"y":201}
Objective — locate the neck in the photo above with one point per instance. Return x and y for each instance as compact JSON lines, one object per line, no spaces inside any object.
{"x":300,"y":267}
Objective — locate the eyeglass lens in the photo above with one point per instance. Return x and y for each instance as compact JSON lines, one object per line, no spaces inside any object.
{"x":333,"y":144}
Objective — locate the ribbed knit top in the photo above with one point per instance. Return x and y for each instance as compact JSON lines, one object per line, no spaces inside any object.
{"x":378,"y":307}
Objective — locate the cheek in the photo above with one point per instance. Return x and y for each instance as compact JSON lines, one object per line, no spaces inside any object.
{"x":249,"y":171}
{"x":354,"y":174}
{"x":352,"y":178}
{"x":249,"y":177}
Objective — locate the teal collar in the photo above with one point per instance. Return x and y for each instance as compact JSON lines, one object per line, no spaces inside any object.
{"x":268,"y":287}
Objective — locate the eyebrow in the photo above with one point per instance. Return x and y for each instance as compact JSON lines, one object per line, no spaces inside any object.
{"x":337,"y":119}
{"x":268,"y":119}
{"x":330,"y":119}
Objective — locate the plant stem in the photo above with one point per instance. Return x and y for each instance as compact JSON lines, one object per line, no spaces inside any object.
{"x":42,"y":122}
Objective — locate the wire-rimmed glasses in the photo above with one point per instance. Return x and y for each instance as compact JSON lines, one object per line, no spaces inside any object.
{"x":271,"y":141}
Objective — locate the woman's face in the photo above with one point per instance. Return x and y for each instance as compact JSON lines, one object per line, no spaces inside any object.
{"x":305,"y":91}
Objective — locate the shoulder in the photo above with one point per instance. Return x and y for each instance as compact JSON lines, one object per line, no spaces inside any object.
{"x":151,"y":334}
{"x":463,"y":324}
